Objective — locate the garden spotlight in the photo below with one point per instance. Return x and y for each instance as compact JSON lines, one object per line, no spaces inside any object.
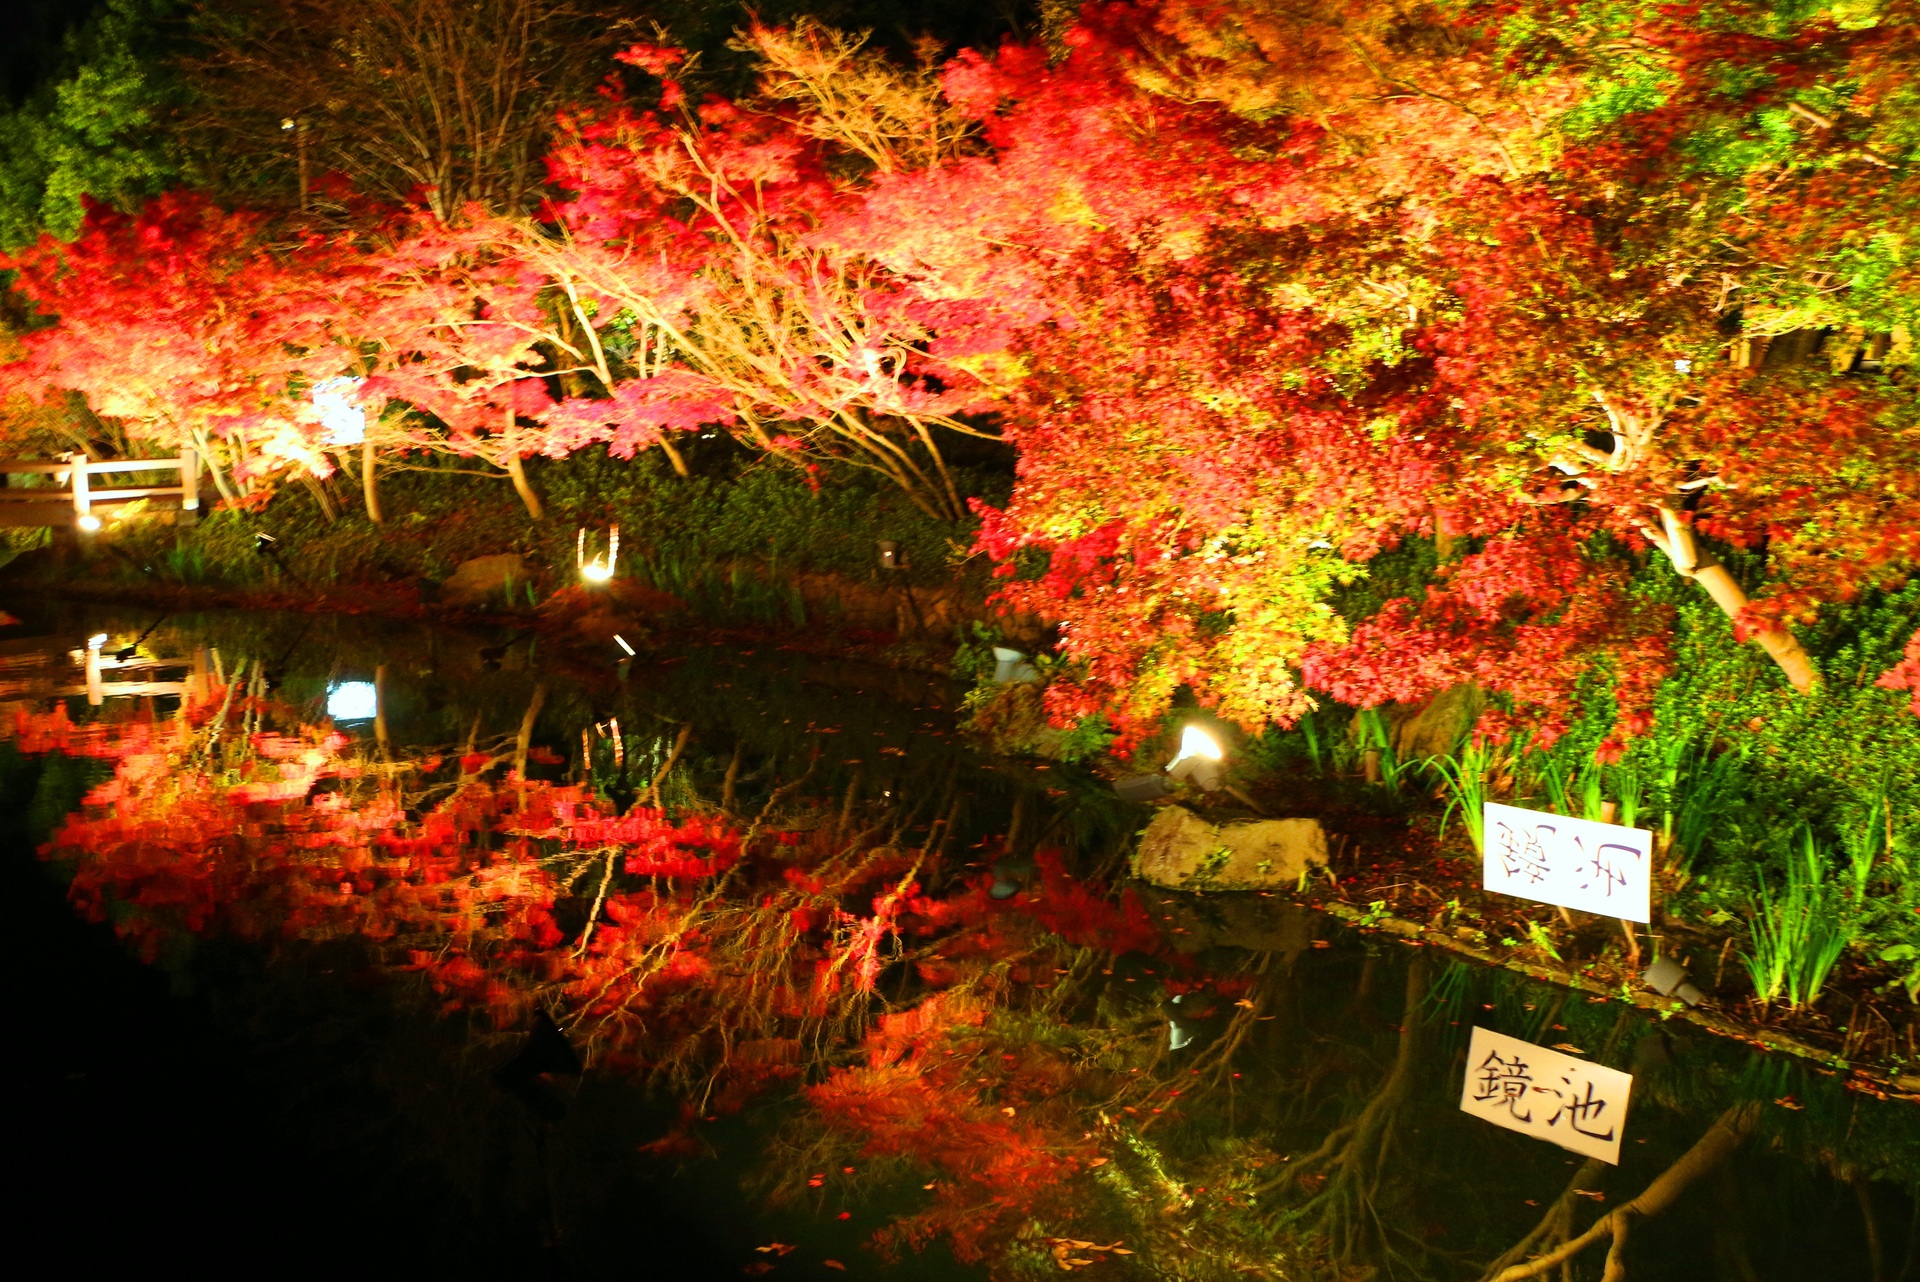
{"x":1199,"y":760}
{"x":597,"y":570}
{"x":88,"y":522}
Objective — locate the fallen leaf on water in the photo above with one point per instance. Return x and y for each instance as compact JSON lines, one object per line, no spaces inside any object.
{"x":1595,"y":1194}
{"x":1568,"y":1047}
{"x":776,"y":1248}
{"x":1244,"y":1002}
{"x":1787,"y":1101}
{"x":757,"y":1268}
{"x":1008,"y":1110}
{"x":926,"y":1186}
{"x":1098,"y":1161}
{"x":835,"y":1264}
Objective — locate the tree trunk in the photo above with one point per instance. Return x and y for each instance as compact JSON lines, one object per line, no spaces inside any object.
{"x":518,"y":472}
{"x":1676,"y":540}
{"x":1780,"y":644}
{"x":517,"y":469}
{"x":369,"y":490}
{"x":674,"y":456}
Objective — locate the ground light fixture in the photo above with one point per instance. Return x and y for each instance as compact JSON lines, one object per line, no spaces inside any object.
{"x":599,"y":569}
{"x":1668,"y":978}
{"x":1199,"y":761}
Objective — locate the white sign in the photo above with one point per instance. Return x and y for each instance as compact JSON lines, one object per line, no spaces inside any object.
{"x":1539,"y":1092}
{"x":1576,"y":863}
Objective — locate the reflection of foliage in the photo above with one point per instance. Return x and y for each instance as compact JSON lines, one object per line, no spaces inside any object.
{"x":823,"y":959}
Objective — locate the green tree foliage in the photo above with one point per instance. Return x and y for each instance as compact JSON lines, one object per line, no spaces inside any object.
{"x":96,"y":131}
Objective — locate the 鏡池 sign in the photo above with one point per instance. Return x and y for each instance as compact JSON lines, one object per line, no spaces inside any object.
{"x":1559,"y":1098}
{"x":1575,"y":863}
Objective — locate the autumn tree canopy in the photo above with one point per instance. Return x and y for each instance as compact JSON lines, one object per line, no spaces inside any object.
{"x":1258,"y":292}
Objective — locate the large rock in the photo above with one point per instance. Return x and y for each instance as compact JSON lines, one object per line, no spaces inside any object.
{"x":1443,"y":722}
{"x":485,"y":577}
{"x":1431,"y":729}
{"x":1182,"y":851}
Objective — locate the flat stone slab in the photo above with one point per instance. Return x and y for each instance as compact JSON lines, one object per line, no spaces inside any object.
{"x":1182,"y":851}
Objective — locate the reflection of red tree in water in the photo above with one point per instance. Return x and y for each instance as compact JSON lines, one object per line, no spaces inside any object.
{"x":684,"y":950}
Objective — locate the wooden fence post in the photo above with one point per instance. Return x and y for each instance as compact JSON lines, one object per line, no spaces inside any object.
{"x":189,"y":483}
{"x":82,"y":497}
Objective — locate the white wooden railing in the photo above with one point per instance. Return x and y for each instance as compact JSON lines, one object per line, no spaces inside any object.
{"x":74,"y":475}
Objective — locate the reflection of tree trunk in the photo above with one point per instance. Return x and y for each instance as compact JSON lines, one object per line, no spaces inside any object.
{"x":380,"y":709}
{"x":652,"y":795}
{"x":733,"y":776}
{"x":1557,"y":1224}
{"x":1722,"y":1138}
{"x":846,"y":806}
{"x":1730,"y":1230}
{"x":1355,"y":1153}
{"x":1017,"y":823}
{"x":525,"y":739}
{"x":1876,"y":1254}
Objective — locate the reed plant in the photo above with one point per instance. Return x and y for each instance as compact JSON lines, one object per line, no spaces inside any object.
{"x":1798,"y":931}
{"x":1464,"y":777}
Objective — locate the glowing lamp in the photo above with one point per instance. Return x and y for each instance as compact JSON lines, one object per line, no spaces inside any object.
{"x":340,"y":414}
{"x":97,"y":640}
{"x":1199,"y":760}
{"x":88,"y":522}
{"x":599,"y":569}
{"x":352,"y":701}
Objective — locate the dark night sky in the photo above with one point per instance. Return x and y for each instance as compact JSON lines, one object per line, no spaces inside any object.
{"x":30,"y":32}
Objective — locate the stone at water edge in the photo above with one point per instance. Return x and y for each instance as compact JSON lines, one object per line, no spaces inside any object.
{"x":1182,"y":851}
{"x":472,"y":582}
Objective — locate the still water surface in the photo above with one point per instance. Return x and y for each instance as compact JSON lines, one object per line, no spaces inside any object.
{"x":436,"y":949}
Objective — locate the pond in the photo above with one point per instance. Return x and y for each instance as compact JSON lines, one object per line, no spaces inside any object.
{"x":350,"y":941}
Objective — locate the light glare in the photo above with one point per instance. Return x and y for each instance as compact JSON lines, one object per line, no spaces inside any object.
{"x":352,"y":701}
{"x":97,"y":640}
{"x":345,"y":422}
{"x":1195,"y":742}
{"x":88,"y":522}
